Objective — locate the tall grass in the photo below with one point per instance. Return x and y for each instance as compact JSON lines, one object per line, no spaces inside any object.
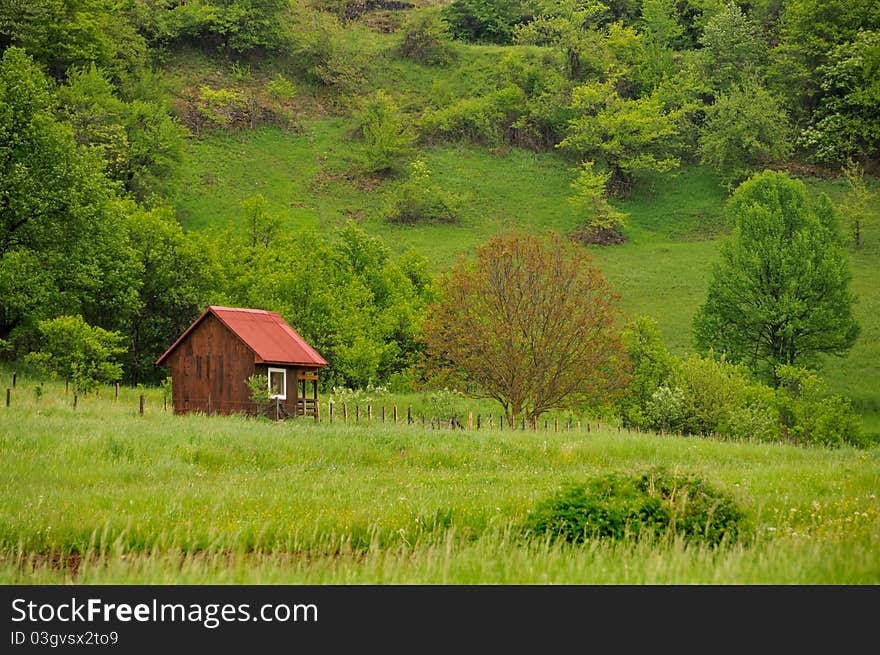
{"x":164,"y":498}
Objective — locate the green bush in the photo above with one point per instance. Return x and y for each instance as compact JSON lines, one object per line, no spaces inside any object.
{"x":810,"y":415}
{"x":650,"y":365}
{"x":486,"y":119}
{"x":711,"y":388}
{"x":653,"y":504}
{"x":484,"y":21}
{"x":386,"y":139}
{"x":426,"y":39}
{"x":222,"y":107}
{"x":418,"y":200}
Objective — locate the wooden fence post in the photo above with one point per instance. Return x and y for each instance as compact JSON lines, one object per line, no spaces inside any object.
{"x":330,"y":411}
{"x":471,"y":420}
{"x":116,"y":396}
{"x":394,"y":413}
{"x":409,"y":417}
{"x":478,"y":421}
{"x":370,"y":413}
{"x":75,"y":399}
{"x":8,"y":395}
{"x":357,"y":413}
{"x":556,"y":424}
{"x":164,"y":403}
{"x":383,"y":413}
{"x":345,"y":412}
{"x":14,"y":375}
{"x":141,"y":404}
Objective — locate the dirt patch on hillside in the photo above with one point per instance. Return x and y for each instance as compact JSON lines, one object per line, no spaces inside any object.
{"x":599,"y":236}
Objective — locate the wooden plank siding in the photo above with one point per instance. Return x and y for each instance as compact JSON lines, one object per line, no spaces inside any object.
{"x":210,"y":371}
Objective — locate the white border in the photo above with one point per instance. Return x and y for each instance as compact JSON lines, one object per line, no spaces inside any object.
{"x":283,"y":394}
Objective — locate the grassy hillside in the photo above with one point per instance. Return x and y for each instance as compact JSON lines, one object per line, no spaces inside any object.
{"x":673,"y":229}
{"x":93,"y":495}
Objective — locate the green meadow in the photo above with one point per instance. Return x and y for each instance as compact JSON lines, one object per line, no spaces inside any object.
{"x":100,"y":494}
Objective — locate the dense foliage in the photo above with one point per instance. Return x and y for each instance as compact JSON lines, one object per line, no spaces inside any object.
{"x":653,"y":504}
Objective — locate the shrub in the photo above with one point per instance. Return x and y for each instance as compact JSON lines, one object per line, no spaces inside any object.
{"x":386,"y":140}
{"x":653,"y":504}
{"x":444,"y":402}
{"x":589,"y":197}
{"x":371,"y":393}
{"x":281,"y":88}
{"x":326,"y":56}
{"x":650,"y":365}
{"x":756,"y":418}
{"x":711,"y":389}
{"x":418,"y":200}
{"x":222,"y":107}
{"x":426,"y":39}
{"x":258,"y":386}
{"x":665,"y":409}
{"x":84,"y":355}
{"x":481,"y":21}
{"x":810,"y":415}
{"x":485,"y":119}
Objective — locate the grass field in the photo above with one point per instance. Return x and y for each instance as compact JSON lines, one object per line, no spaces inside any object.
{"x":100,"y":494}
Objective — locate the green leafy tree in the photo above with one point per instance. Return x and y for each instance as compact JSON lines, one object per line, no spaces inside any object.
{"x":855,"y":203}
{"x":483,"y":21}
{"x":61,"y":34}
{"x":780,"y":294}
{"x":732,"y":47}
{"x":357,"y":306}
{"x":660,"y":22}
{"x":629,"y":137}
{"x":809,"y":31}
{"x":573,"y":28}
{"x":426,"y":39}
{"x":846,"y":122}
{"x":72,"y":349}
{"x":745,"y":131}
{"x":63,"y":238}
{"x":179,"y":273}
{"x":529,"y":323}
{"x":140,"y":142}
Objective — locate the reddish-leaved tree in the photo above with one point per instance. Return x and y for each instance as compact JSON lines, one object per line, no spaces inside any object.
{"x":530,"y":323}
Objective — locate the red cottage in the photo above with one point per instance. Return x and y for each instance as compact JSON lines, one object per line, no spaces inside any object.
{"x":212,"y":360}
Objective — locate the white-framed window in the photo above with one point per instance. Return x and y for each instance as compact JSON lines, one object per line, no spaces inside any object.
{"x":278,"y":383}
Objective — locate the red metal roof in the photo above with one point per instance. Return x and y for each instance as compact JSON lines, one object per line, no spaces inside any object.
{"x":271,"y":339}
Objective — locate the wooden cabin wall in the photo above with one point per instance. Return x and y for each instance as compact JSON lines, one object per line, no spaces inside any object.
{"x":211,"y":362}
